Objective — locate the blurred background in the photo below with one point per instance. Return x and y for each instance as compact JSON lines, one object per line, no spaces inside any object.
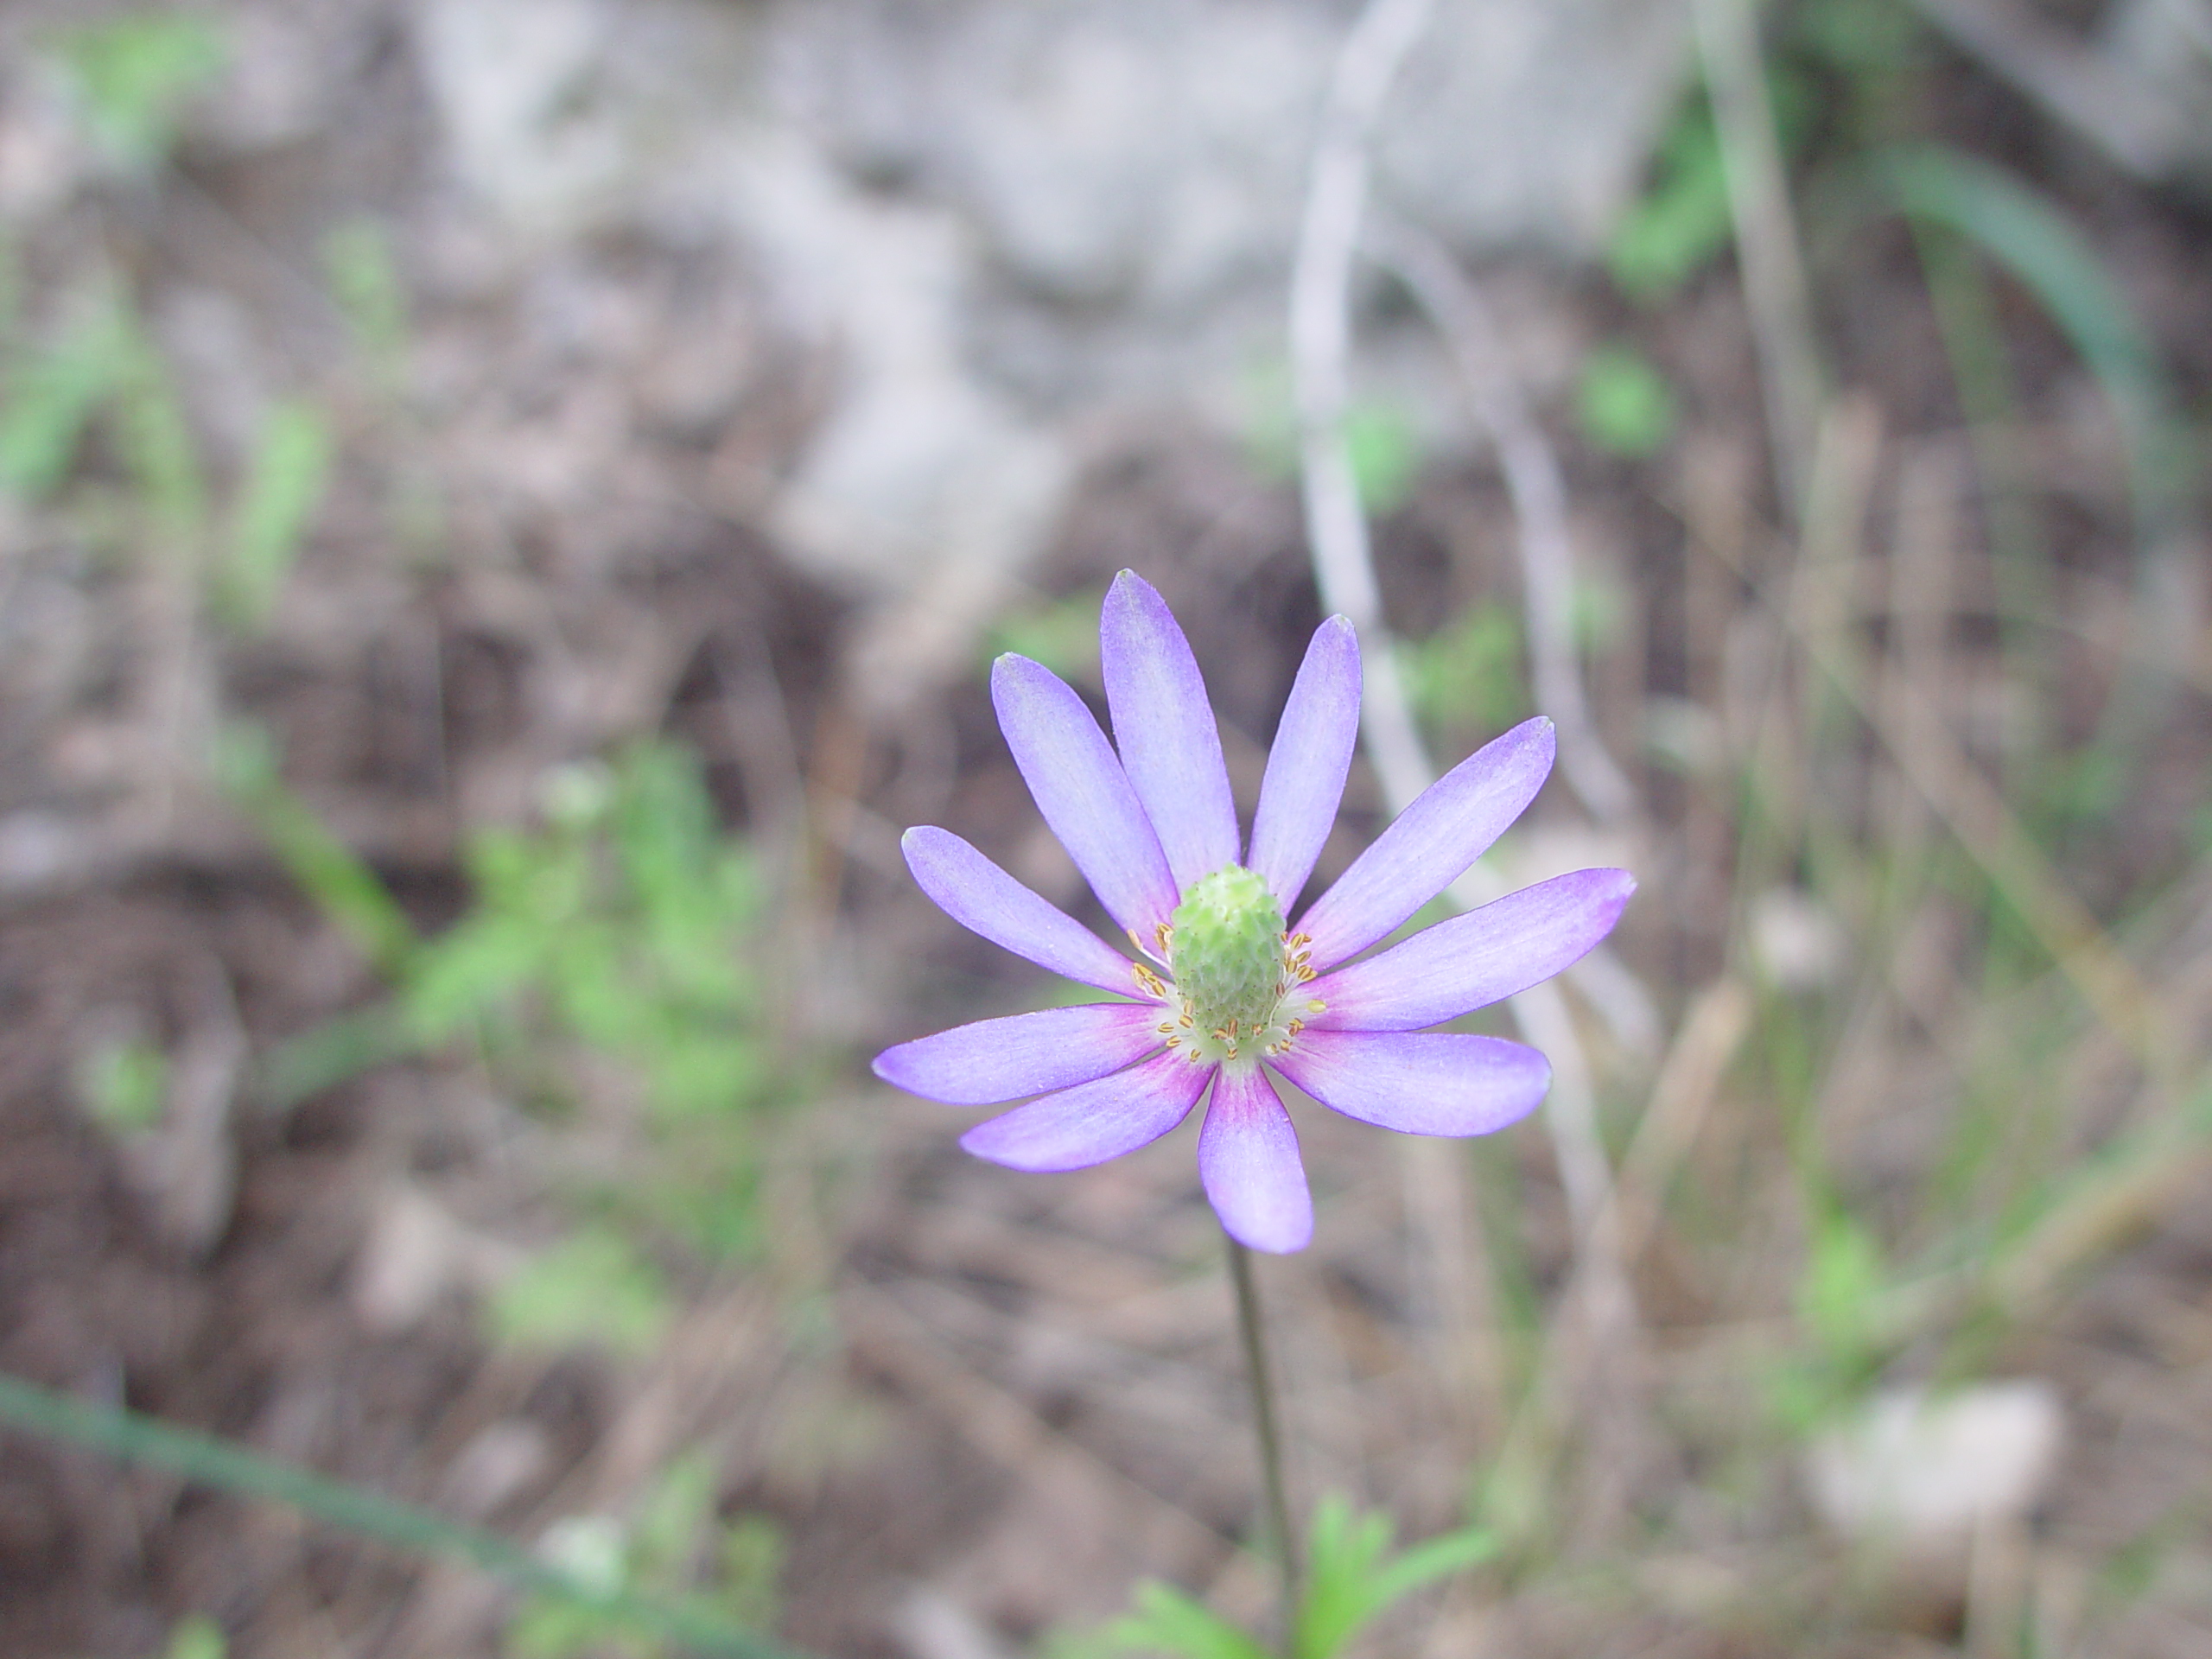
{"x":506,"y":507}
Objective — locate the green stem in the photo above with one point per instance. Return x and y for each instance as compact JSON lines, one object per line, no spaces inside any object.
{"x":1263,"y":1421}
{"x":130,"y":1438}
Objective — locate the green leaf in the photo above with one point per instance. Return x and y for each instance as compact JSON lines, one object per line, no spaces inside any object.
{"x":157,"y":444}
{"x":1062,"y":635}
{"x":364,"y":279}
{"x":1167,"y":1621}
{"x":1342,"y":1551}
{"x":1468,"y":672}
{"x":1625,"y":405}
{"x":196,"y":1637}
{"x":1385,"y":448}
{"x":1385,"y":455}
{"x":1862,"y":37}
{"x":1351,"y":1577}
{"x":1682,"y":223}
{"x":333,"y":875}
{"x":1439,"y":1558}
{"x":283,"y":492}
{"x":1843,"y":1278}
{"x":123,"y":1086}
{"x":134,"y":74}
{"x":674,"y":1518}
{"x":52,"y":394}
{"x":2054,"y":260}
{"x":752,"y":1555}
{"x":338,"y":1050}
{"x":593,"y":1287}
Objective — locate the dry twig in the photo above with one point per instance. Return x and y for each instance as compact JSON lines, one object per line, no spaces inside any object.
{"x":1766,"y":239}
{"x":1320,"y":352}
{"x":1538,"y":492}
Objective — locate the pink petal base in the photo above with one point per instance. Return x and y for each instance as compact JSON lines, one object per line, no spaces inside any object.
{"x":1249,"y":1164}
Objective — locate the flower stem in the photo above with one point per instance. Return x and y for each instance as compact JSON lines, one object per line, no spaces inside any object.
{"x":1263,"y":1422}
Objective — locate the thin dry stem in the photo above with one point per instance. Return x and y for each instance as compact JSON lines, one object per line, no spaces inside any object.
{"x":1766,"y":239}
{"x":1342,"y":559}
{"x":1976,"y":816}
{"x":1321,"y":348}
{"x":1259,"y":1379}
{"x":1538,"y":490}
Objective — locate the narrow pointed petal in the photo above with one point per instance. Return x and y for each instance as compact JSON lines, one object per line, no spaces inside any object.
{"x":1472,"y":961}
{"x":1084,"y":794}
{"x":992,"y":1060}
{"x":1306,"y":765}
{"x":1249,"y":1163}
{"x":1450,"y":826}
{"x":1433,"y":1083}
{"x":985,"y":900}
{"x":1164,"y":728}
{"x":1093,"y":1122}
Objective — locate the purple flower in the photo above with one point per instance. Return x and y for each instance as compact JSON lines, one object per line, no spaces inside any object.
{"x":1226,"y":993}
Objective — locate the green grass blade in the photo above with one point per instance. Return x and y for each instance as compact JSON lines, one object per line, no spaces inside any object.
{"x":2048,"y":254}
{"x":132,"y":1437}
{"x":283,"y":492}
{"x":334,"y":875}
{"x":333,"y":1053}
{"x":51,"y":394}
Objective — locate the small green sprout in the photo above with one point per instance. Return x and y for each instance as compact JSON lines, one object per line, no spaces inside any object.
{"x":1353,"y":1576}
{"x":594,"y":1288}
{"x":1624,"y":405}
{"x":135,"y":75}
{"x":123,"y":1086}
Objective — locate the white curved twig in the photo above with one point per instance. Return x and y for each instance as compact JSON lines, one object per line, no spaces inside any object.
{"x":1538,"y":492}
{"x":1321,"y":342}
{"x":1320,"y":350}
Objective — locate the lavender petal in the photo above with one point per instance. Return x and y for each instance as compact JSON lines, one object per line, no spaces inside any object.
{"x":1084,"y":794}
{"x":1093,"y":1122}
{"x":1432,"y":1082}
{"x":1472,"y":961}
{"x":1249,"y":1164}
{"x":985,"y":900}
{"x":1450,"y":826}
{"x":1164,"y":728}
{"x":1307,"y":762}
{"x":991,"y":1060}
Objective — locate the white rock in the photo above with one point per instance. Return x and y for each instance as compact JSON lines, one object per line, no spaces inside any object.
{"x":1000,"y":216}
{"x":1797,"y":940}
{"x":414,"y":1251}
{"x":592,"y":1549}
{"x":1915,"y":1467}
{"x":496,"y":1463}
{"x":514,"y":81}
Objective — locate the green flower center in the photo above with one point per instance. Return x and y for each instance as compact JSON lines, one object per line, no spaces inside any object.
{"x":1234,"y":966}
{"x":1226,"y":950}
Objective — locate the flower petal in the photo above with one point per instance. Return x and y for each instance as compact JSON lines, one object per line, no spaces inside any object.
{"x":1472,"y":961}
{"x":1450,"y":826}
{"x":991,"y":1060}
{"x":1093,"y":1122}
{"x":1435,"y":1083}
{"x":1306,"y":765}
{"x":985,"y":900}
{"x":1164,"y":728}
{"x":1249,"y":1163}
{"x":1084,"y":794}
